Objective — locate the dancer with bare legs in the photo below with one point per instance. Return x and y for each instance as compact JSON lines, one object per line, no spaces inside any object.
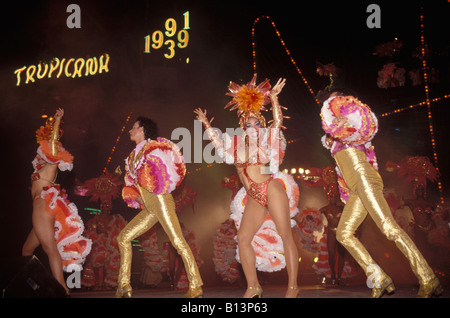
{"x":51,"y":209}
{"x":265,"y":192}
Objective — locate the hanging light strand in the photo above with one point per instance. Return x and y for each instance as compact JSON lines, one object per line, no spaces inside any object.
{"x":117,"y":142}
{"x":399,"y":110}
{"x":285,"y":49}
{"x":428,"y":103}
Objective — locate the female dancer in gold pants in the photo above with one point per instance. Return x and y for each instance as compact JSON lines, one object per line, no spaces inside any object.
{"x":350,"y":126}
{"x":151,"y":175}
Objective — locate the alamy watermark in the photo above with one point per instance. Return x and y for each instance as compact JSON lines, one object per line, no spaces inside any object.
{"x":74,"y":279}
{"x":263,"y":143}
{"x":373,"y":21}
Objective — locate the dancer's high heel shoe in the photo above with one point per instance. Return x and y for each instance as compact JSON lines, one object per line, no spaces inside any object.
{"x":386,"y":286}
{"x":257,"y":291}
{"x":430,"y":289}
{"x":124,"y":291}
{"x":295,"y":289}
{"x":196,"y":292}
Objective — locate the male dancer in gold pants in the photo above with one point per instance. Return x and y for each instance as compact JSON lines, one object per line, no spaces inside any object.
{"x":350,"y":126}
{"x":153,"y":170}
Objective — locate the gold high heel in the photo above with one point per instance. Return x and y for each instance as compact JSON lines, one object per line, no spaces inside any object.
{"x":258,"y":291}
{"x":387,"y":286}
{"x":124,"y":291}
{"x":430,"y":289}
{"x":196,"y":292}
{"x":295,"y":288}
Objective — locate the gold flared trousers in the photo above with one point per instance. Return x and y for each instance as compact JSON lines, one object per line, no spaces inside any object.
{"x":158,"y":208}
{"x":366,"y":197}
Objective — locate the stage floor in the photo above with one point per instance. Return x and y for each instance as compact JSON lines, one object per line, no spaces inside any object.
{"x":270,"y":291}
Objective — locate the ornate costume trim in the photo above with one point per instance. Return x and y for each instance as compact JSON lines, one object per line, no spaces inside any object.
{"x":271,"y":145}
{"x":362,"y":124}
{"x":159,"y":167}
{"x":72,"y":246}
{"x":63,"y":158}
{"x":258,"y":190}
{"x":267,"y":243}
{"x":361,"y":127}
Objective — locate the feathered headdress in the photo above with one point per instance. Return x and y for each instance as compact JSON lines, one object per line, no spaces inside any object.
{"x":104,"y":188}
{"x":415,"y":170}
{"x":249,"y":99}
{"x":44,"y":132}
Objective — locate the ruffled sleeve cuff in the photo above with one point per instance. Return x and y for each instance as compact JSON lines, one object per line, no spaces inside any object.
{"x":63,"y":158}
{"x":130,"y":195}
{"x":163,"y":169}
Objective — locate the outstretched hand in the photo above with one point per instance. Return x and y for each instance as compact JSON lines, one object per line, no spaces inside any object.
{"x":201,"y":115}
{"x":59,"y":113}
{"x":278,"y":87}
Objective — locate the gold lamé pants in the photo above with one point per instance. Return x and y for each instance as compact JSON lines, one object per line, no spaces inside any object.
{"x":366,"y":197}
{"x":157,"y":208}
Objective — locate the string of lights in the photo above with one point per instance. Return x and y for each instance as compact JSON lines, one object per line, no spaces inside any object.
{"x":428,"y":103}
{"x":285,"y":49}
{"x":116,"y":143}
{"x":399,"y":110}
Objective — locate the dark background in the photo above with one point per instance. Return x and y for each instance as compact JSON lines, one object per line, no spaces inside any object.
{"x":219,"y":51}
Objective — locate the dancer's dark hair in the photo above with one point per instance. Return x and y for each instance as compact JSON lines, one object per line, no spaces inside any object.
{"x":150,"y":127}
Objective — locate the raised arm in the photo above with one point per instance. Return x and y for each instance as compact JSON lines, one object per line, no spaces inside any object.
{"x":277,"y":121}
{"x":212,"y":134}
{"x":54,"y":138}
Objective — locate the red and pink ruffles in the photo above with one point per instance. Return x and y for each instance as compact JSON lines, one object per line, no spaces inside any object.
{"x":358,"y":132}
{"x":72,"y":246}
{"x":158,"y":167}
{"x":267,"y":243}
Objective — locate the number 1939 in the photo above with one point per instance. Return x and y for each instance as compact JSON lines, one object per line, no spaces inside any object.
{"x":170,"y":38}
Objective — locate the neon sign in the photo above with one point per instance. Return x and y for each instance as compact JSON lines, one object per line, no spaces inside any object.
{"x":67,"y":67}
{"x":168,"y":38}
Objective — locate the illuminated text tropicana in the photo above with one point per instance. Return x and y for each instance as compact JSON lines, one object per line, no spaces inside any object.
{"x":63,"y":67}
